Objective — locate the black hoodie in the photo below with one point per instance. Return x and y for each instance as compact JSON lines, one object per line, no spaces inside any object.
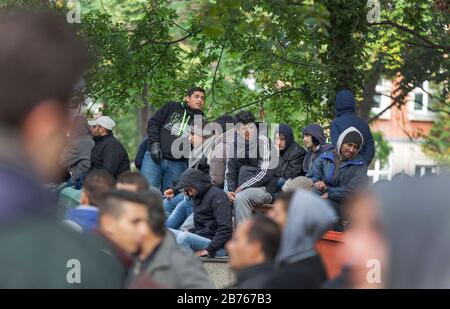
{"x":212,"y":209}
{"x":169,"y":123}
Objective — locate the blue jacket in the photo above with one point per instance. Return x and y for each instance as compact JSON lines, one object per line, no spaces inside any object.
{"x":85,"y":216}
{"x":346,"y":117}
{"x":351,"y":175}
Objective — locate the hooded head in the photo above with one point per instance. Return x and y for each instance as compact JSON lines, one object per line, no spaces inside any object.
{"x":316,"y":131}
{"x":309,"y":217}
{"x":193,"y":178}
{"x":287,"y":133}
{"x":350,"y":135}
{"x":417,"y":232}
{"x":345,"y":102}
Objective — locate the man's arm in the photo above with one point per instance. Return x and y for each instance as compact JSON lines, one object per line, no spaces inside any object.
{"x":334,"y":132}
{"x":155,"y":123}
{"x":265,"y":172}
{"x":295,"y":165}
{"x":222,"y":214}
{"x":358,"y":180}
{"x":231,"y":175}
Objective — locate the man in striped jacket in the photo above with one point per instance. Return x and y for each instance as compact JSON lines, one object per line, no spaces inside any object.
{"x":251,"y":169}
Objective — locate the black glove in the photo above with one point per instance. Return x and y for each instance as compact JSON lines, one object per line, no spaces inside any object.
{"x":155,"y":152}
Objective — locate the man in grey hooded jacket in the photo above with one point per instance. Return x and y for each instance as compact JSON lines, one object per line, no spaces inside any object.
{"x":298,"y":265}
{"x":339,"y":173}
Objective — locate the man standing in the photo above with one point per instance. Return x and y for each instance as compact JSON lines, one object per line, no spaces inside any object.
{"x":345,"y":106}
{"x":161,"y":166}
{"x":108,"y":152}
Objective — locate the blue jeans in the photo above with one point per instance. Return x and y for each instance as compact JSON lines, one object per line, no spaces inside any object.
{"x":194,"y":242}
{"x":170,"y":203}
{"x":162,"y":175}
{"x":180,"y":213}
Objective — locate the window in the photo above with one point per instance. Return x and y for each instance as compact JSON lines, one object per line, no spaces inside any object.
{"x":377,"y":171}
{"x":420,"y":102}
{"x":382,"y":98}
{"x":424,"y":170}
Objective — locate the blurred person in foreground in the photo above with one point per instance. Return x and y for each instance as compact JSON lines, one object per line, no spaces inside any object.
{"x":401,"y":235}
{"x":41,"y":61}
{"x":297,"y":264}
{"x":252,"y":251}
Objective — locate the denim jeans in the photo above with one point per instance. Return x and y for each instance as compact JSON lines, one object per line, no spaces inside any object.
{"x":170,"y":203}
{"x":181,"y":212}
{"x":162,"y":175}
{"x":194,"y":242}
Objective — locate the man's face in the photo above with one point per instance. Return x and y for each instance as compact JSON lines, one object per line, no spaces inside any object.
{"x":307,"y":141}
{"x":364,"y":242}
{"x":44,"y":136}
{"x":196,"y":100}
{"x":241,"y":251}
{"x":191,"y":192}
{"x":129,"y":230}
{"x":278,"y":213}
{"x":246,"y":131}
{"x":96,"y":130}
{"x":349,"y":150}
{"x":196,"y":140}
{"x":280,"y":141}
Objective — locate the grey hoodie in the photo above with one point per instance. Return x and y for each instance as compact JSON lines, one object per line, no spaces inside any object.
{"x":309,"y":217}
{"x":415,"y":217}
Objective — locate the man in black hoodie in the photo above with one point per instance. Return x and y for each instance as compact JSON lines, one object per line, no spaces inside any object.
{"x":108,"y":153}
{"x":212,"y":215}
{"x":315,"y":144}
{"x":291,"y":154}
{"x":163,"y":161}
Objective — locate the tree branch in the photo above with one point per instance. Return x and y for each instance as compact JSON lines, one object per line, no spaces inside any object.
{"x":169,"y":42}
{"x":214,"y":79}
{"x":265,"y":98}
{"x":414,"y":33}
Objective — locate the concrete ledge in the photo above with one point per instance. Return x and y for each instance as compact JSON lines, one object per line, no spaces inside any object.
{"x":219,"y":272}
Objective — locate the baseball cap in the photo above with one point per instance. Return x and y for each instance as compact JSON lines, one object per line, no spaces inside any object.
{"x":103,"y":121}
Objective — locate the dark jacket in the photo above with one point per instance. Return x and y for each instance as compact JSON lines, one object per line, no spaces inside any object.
{"x":246,"y":172}
{"x":254,"y":277}
{"x":169,"y":123}
{"x":298,"y":264}
{"x":291,"y":158}
{"x":316,"y":131}
{"x":212,"y":209}
{"x":351,"y":175}
{"x":172,"y":267}
{"x":141,"y":153}
{"x":109,"y":154}
{"x":346,"y":117}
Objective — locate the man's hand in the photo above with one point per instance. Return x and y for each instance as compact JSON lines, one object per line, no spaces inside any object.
{"x":238,"y":190}
{"x":203,"y":252}
{"x":231,"y":196}
{"x":168,"y":193}
{"x":324,"y":196}
{"x":155,"y":152}
{"x":320,"y":185}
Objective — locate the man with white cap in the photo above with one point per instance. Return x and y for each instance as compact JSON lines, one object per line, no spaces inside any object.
{"x":338,"y":173}
{"x":108,"y":152}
